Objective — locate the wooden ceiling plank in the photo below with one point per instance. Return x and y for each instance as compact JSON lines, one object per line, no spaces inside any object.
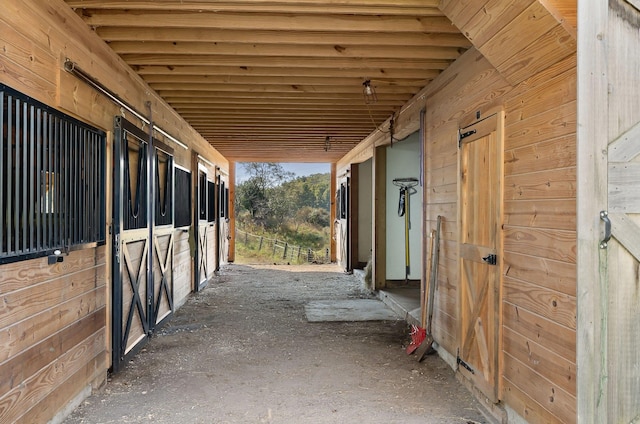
{"x":291,"y":63}
{"x":230,"y":96}
{"x":308,"y":108}
{"x":244,"y":7}
{"x":285,"y":50}
{"x":424,"y":9}
{"x":259,"y":71}
{"x":282,"y":88}
{"x":268,"y":22}
{"x":326,"y":3}
{"x":291,"y":80}
{"x":415,"y":39}
{"x":263,"y":103}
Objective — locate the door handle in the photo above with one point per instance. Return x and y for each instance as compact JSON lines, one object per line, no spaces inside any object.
{"x":604,"y":216}
{"x":491,"y":259}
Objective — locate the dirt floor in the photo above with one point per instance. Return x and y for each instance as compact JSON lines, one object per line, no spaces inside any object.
{"x":242,"y":351}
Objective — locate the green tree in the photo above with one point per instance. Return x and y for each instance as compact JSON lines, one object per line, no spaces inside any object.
{"x":260,"y":194}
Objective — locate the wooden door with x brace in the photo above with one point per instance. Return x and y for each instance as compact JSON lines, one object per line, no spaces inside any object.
{"x":143,"y":231}
{"x":480,"y":218}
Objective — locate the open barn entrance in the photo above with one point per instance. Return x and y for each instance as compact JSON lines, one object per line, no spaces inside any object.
{"x":283,"y":213}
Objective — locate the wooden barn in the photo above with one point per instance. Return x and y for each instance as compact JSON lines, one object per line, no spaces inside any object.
{"x":516,"y":122}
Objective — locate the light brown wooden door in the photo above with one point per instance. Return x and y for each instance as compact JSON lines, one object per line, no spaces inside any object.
{"x":608,"y":290}
{"x":480,"y":253}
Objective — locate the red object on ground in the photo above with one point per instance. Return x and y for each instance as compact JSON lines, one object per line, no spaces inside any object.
{"x":417,"y":337}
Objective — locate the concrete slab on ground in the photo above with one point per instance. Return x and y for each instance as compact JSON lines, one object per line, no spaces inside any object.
{"x":348,"y":310}
{"x":403,"y":301}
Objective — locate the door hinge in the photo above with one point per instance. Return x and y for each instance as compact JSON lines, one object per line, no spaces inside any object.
{"x":116,"y":245}
{"x":462,"y":135}
{"x":462,"y":363}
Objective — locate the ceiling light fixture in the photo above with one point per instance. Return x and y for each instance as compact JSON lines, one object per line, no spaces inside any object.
{"x":369,"y":92}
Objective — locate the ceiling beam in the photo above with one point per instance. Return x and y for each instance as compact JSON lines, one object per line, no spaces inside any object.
{"x":268,"y":22}
{"x":282,"y":88}
{"x":285,"y":50}
{"x":425,"y":9}
{"x":262,"y":95}
{"x":259,"y":71}
{"x":281,"y":80}
{"x":283,"y":62}
{"x":326,"y":37}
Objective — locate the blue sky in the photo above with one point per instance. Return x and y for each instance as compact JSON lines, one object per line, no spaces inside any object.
{"x":300,"y":169}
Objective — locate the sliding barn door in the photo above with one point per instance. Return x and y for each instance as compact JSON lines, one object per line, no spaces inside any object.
{"x":609,"y":213}
{"x":142,"y":290}
{"x":480,"y":253}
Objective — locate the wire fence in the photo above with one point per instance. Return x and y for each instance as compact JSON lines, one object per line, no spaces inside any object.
{"x":281,"y":249}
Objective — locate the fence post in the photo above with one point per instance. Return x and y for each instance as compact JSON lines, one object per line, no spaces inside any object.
{"x":284,"y":255}
{"x":326,"y":255}
{"x":260,"y":246}
{"x":309,"y":257}
{"x":246,"y":238}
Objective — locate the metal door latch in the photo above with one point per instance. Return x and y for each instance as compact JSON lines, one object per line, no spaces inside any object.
{"x":491,"y":259}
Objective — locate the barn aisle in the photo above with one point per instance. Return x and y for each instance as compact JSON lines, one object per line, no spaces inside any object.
{"x":242,"y":351}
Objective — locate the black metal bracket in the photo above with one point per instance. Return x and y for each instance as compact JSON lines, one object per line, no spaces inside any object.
{"x":463,"y":135}
{"x":464,"y":365}
{"x":491,"y":259}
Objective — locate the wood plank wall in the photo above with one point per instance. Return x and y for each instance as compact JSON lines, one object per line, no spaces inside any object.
{"x":52,"y":333}
{"x":538,"y":356}
{"x":55,"y":318}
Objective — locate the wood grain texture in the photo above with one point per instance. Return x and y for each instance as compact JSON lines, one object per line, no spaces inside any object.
{"x":555,"y":275}
{"x":525,"y":406}
{"x":21,"y":335}
{"x":550,"y":396}
{"x":553,"y":184}
{"x":555,"y":337}
{"x":518,"y":34}
{"x":35,"y":388}
{"x":20,"y":367}
{"x":552,"y":123}
{"x":552,"y":47}
{"x":546,"y":155}
{"x":93,"y":372}
{"x":555,"y":306}
{"x":557,"y":214}
{"x":543,"y":361}
{"x":551,"y":244}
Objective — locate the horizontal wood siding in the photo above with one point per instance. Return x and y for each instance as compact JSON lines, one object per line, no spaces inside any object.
{"x":52,"y":325}
{"x":459,"y":97}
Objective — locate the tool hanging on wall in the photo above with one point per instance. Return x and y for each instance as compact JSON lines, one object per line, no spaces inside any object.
{"x":406,"y":189}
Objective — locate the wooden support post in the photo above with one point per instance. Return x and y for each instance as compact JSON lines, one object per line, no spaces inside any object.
{"x":380,"y":217}
{"x":332,"y":192}
{"x":260,"y":245}
{"x":231,"y":256}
